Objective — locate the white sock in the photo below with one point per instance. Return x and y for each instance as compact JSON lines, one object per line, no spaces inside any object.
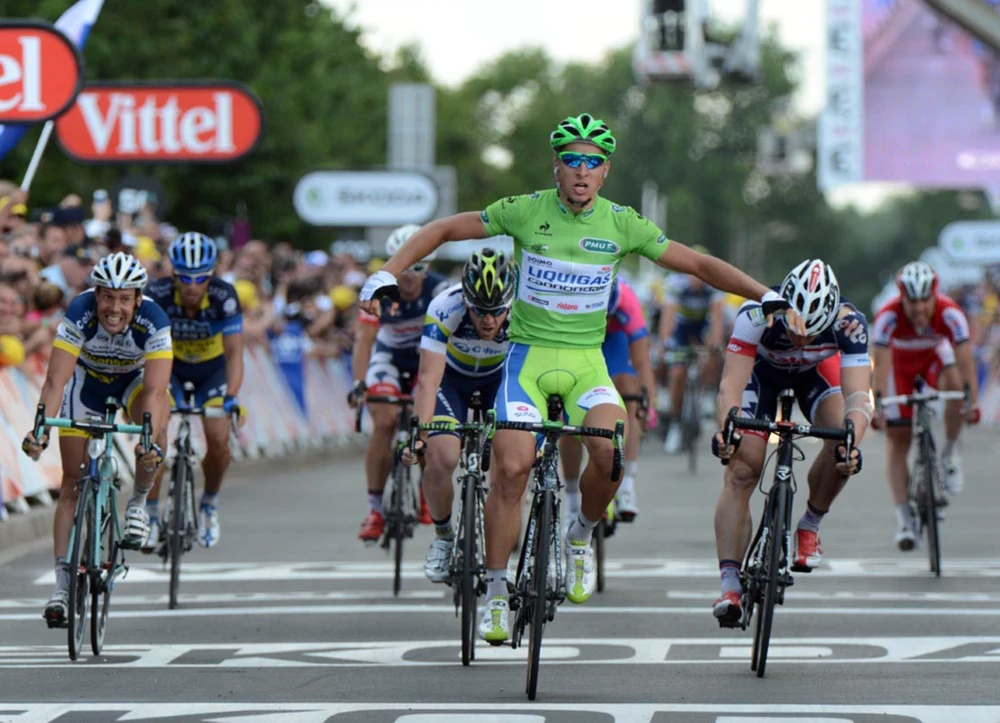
{"x":581,"y":529}
{"x":949,"y":448}
{"x":903,"y":515}
{"x":496,"y":583}
{"x":627,"y":485}
{"x":632,"y":468}
{"x":572,"y":489}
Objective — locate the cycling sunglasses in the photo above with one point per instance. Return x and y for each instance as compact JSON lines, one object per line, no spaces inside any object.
{"x":185,"y":279}
{"x":495,"y":313}
{"x":573,"y":159}
{"x":419,"y":267}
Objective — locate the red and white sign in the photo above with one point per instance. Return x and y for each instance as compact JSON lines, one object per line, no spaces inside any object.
{"x":161,"y":122}
{"x":39,"y":72}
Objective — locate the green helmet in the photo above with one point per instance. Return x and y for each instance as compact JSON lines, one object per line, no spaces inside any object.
{"x":584,"y":128}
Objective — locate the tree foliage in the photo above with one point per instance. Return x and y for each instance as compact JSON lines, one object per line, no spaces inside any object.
{"x":325,"y":98}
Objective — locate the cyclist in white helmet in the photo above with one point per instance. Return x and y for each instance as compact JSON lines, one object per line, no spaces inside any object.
{"x":112,"y":342}
{"x":760,"y":362}
{"x":922,"y":333}
{"x":386,"y":346}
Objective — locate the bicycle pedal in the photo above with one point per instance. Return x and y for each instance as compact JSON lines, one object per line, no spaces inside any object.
{"x":787,"y":580}
{"x":799,"y":568}
{"x":729,"y":624}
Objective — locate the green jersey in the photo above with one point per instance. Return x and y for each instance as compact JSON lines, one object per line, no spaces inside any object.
{"x":567,"y":264}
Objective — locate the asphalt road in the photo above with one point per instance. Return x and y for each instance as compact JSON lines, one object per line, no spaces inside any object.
{"x":291,"y":619}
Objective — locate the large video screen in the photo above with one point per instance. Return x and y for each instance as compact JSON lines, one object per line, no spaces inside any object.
{"x":911,"y":96}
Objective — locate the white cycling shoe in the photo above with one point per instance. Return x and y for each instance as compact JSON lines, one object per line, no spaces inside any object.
{"x":136,"y":528}
{"x":437,"y":566}
{"x":208,"y":526}
{"x":494,"y":626}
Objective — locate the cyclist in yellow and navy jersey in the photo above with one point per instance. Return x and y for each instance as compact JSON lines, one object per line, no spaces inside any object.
{"x":112,"y":342}
{"x":206,"y":322}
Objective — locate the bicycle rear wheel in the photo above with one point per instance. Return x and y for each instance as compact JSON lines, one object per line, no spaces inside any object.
{"x":100,"y":600}
{"x":538,"y":595}
{"x":79,"y":567}
{"x":470,"y":568}
{"x":777,"y":507}
{"x":178,"y":523}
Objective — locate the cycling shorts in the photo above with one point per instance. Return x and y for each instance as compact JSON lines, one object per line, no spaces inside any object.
{"x":85,"y":395}
{"x":455,"y":392}
{"x":687,"y":333}
{"x":906,"y":366}
{"x":209,"y":390}
{"x":812,"y":386}
{"x":385,"y":368}
{"x":616,"y":354}
{"x":532,"y":373}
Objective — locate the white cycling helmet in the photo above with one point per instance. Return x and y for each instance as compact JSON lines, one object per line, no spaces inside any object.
{"x":119,"y":271}
{"x":813,"y":291}
{"x":400,"y":236}
{"x":917,"y":280}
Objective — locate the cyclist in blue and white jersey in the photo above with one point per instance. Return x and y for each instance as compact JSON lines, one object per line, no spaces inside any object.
{"x":384,"y":348}
{"x":112,"y":342}
{"x":206,"y":323}
{"x":461,"y":352}
{"x":692,"y":316}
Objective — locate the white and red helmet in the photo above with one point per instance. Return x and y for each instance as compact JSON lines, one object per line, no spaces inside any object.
{"x":812,"y":290}
{"x":917,"y":280}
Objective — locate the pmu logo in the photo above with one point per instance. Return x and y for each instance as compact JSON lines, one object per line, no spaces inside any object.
{"x":599,"y":245}
{"x":39,"y":72}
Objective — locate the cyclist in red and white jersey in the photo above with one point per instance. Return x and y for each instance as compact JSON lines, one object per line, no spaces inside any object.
{"x":921,"y":332}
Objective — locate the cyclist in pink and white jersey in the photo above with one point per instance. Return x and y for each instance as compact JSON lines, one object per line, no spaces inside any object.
{"x":626,"y":352}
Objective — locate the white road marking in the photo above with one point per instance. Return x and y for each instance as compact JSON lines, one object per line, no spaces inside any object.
{"x":419,"y":608}
{"x":578,"y":651}
{"x":244,"y":597}
{"x":622,"y":568}
{"x":488,"y":713}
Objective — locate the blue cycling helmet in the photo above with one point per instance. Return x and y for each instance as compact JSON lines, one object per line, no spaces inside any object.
{"x":193,"y":253}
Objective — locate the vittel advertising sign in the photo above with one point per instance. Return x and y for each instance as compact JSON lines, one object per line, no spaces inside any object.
{"x":40,"y":72}
{"x":161,"y":122}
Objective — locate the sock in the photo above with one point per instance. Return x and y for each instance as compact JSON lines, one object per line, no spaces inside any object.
{"x":442,"y":528}
{"x":208,"y":500}
{"x":949,"y":448}
{"x":62,"y":573}
{"x":375,"y":501}
{"x":138,"y":498}
{"x":581,"y":529}
{"x":496,"y":583}
{"x":730,"y":570}
{"x":153,"y":509}
{"x":628,"y":483}
{"x":903,"y":514}
{"x":811,"y":519}
{"x":632,"y":468}
{"x":572,"y":495}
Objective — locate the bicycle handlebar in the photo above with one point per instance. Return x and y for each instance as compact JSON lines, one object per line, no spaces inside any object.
{"x":787,"y":428}
{"x":400,"y":400}
{"x":558,"y":429}
{"x":145,"y":430}
{"x":908,"y":400}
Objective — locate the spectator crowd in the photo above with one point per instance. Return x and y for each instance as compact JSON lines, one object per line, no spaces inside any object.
{"x":296,"y":304}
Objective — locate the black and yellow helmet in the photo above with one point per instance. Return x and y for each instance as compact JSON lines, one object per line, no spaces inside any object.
{"x":488,"y":279}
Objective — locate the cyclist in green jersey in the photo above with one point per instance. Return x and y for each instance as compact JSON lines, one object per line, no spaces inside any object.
{"x":568,"y":242}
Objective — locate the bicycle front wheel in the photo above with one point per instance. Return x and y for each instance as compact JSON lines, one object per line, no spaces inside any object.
{"x":539,"y":594}
{"x":178,"y":524}
{"x":778,"y":508}
{"x":398,"y":526}
{"x":929,"y":504}
{"x":470,"y":568}
{"x":100,"y":600}
{"x":79,"y":567}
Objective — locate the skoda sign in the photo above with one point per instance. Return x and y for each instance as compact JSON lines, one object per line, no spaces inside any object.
{"x":365,"y":198}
